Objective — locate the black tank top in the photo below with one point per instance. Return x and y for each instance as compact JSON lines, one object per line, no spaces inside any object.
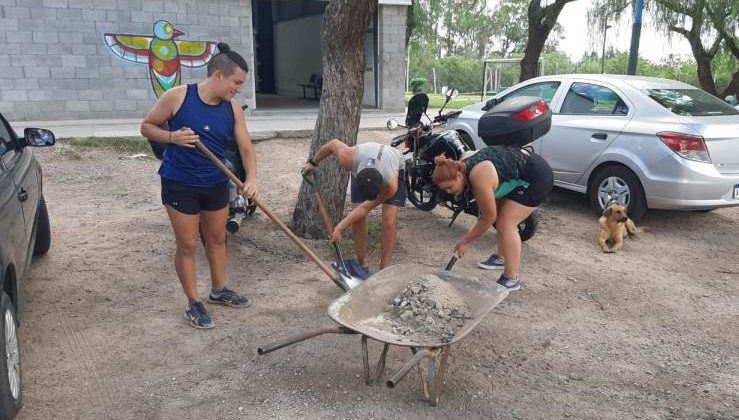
{"x":509,"y":163}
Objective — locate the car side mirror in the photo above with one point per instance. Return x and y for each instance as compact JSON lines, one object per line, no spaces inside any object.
{"x":392,"y":124}
{"x":38,"y":137}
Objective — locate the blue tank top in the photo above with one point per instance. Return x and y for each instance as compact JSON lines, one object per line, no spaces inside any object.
{"x":215,"y":126}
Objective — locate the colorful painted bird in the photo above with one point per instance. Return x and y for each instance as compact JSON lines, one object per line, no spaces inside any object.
{"x":163,"y":52}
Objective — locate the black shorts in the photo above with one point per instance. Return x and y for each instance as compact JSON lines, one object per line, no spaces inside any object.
{"x":192,"y":200}
{"x":538,"y":174}
{"x":397,"y":200}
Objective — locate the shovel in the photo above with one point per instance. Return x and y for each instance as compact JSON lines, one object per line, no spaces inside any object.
{"x":337,"y":278}
{"x":349,"y":270}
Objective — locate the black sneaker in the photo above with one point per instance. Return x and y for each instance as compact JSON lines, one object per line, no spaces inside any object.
{"x":509,"y":283}
{"x":495,"y":262}
{"x":198,"y":317}
{"x":229,"y":298}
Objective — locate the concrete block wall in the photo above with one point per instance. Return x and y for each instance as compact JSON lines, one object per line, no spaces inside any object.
{"x":391,"y":25}
{"x":54,"y":64}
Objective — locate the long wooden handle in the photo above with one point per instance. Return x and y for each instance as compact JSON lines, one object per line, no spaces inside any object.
{"x":324,"y":213}
{"x":322,"y":265}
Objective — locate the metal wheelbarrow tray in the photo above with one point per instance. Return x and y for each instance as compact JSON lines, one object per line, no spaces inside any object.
{"x":359,"y":309}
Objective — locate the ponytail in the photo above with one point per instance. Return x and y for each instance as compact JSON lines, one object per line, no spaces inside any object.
{"x":447,"y":169}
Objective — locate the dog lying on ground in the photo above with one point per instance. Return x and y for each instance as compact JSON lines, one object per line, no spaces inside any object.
{"x":614,"y":226}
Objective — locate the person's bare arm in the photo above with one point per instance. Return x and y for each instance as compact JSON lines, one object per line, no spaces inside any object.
{"x":361,"y":211}
{"x":246,"y":150}
{"x":163,"y":111}
{"x":344,"y":154}
{"x":483,"y":181}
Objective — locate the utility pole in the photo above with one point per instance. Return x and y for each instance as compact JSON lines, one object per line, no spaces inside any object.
{"x":635,"y":35}
{"x":408,"y":68}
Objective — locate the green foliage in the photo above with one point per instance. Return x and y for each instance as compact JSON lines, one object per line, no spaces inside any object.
{"x":419,"y":84}
{"x":436,"y":101}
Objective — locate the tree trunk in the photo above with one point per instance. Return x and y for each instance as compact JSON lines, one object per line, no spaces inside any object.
{"x":541,"y":23}
{"x":705,"y":74}
{"x":733,"y":88}
{"x":343,"y":33}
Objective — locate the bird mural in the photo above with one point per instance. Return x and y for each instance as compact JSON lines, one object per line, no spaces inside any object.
{"x":164,"y":54}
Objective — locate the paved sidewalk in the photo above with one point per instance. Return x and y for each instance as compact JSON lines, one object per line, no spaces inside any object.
{"x":262,"y":125}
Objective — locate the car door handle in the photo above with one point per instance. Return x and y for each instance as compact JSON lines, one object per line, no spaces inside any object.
{"x":600,"y":136}
{"x":22,"y":195}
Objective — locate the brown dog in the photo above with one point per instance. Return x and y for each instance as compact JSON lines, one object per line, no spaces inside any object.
{"x":614,"y":226}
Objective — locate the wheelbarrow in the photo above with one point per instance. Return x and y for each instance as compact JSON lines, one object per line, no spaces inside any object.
{"x":359,"y":311}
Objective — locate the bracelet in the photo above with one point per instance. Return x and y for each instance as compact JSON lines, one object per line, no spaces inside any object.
{"x":169,"y":140}
{"x":314,"y":164}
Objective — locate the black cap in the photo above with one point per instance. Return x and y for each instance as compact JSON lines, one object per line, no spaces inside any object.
{"x":369,"y":182}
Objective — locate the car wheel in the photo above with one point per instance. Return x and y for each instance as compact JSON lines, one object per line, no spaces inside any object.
{"x":467,"y":140}
{"x":43,"y":229}
{"x":10,"y":371}
{"x":617,"y":184}
{"x":421,"y":194}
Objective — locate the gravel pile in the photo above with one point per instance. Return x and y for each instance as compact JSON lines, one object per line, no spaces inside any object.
{"x":428,"y":309}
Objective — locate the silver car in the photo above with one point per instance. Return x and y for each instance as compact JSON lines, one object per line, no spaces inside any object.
{"x":640,"y":141}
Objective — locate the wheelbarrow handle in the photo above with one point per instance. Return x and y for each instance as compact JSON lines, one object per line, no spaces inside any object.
{"x":276,"y":345}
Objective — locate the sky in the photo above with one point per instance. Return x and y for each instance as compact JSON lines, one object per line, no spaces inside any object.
{"x":652,"y":46}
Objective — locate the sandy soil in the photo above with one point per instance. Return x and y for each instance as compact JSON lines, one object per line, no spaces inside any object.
{"x":651,"y":332}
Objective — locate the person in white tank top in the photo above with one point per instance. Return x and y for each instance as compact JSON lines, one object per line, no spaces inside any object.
{"x":375,"y":172}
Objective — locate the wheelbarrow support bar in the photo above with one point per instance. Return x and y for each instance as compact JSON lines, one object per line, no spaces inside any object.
{"x":413,"y":361}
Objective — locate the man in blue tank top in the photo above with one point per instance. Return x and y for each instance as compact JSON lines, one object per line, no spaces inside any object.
{"x":194,"y":190}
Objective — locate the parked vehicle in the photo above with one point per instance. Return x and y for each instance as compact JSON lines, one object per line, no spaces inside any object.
{"x":426,"y":141}
{"x":640,"y":141}
{"x":25,"y":232}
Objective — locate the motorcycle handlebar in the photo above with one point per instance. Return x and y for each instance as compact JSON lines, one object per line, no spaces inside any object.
{"x":397,"y":140}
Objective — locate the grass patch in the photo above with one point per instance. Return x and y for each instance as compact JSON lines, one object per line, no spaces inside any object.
{"x":374,"y":226}
{"x":119,"y":145}
{"x":437,"y":100}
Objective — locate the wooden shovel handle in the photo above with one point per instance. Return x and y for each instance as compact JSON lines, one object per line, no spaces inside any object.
{"x":326,"y":269}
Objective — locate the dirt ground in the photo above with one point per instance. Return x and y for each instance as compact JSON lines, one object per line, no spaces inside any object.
{"x":651,"y":332}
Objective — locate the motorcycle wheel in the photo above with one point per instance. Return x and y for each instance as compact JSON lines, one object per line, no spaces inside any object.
{"x":423,"y":200}
{"x":527,"y":228}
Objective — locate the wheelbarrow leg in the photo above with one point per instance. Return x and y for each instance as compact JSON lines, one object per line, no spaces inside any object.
{"x":436,"y":376}
{"x":380,"y":363}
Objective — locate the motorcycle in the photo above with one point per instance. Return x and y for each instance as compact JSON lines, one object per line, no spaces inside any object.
{"x":424,"y":141}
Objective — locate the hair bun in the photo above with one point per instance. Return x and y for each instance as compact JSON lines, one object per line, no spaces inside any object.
{"x":223,"y":47}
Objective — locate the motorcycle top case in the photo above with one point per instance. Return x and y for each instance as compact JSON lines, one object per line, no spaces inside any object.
{"x":446,"y":143}
{"x":515,"y":122}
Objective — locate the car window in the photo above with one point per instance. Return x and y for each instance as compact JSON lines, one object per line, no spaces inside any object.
{"x":693,"y":102}
{"x":7,"y":149}
{"x":590,"y":99}
{"x":544,"y":90}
